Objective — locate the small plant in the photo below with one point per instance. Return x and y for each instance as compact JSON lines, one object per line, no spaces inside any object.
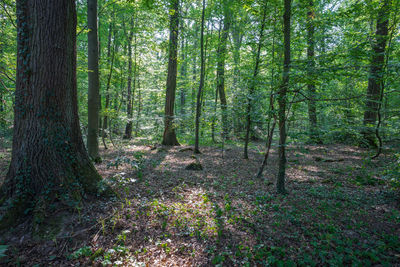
{"x":82,"y":252}
{"x":3,"y":249}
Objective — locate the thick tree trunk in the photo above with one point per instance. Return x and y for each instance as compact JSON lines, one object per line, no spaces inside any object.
{"x":221,"y":54}
{"x":49,"y":162}
{"x":94,"y":83}
{"x":312,"y":107}
{"x":202,"y":74}
{"x":280,"y":184}
{"x":253,"y":83}
{"x":169,"y":137}
{"x":375,"y":80}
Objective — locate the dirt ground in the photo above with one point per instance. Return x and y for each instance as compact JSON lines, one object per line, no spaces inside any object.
{"x":339,"y":211}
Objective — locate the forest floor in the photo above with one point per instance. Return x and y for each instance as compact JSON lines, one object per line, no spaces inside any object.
{"x":339,"y":211}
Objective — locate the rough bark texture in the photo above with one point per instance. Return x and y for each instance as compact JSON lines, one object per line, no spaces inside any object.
{"x":221,"y":54}
{"x":280,"y":184}
{"x":253,"y":83}
{"x":49,"y":161}
{"x":312,"y":107}
{"x":202,"y":74}
{"x":169,"y":137}
{"x":375,"y":80}
{"x":94,"y":83}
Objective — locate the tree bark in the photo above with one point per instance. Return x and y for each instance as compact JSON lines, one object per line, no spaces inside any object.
{"x":49,"y":163}
{"x":169,"y":137}
{"x":94,"y":83}
{"x":280,"y":185}
{"x":221,"y":54}
{"x":202,"y":73}
{"x":375,"y":79}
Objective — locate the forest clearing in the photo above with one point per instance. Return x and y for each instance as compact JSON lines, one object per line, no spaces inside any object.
{"x":199,"y":133}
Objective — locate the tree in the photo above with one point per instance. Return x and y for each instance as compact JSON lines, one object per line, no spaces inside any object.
{"x":280,"y":185}
{"x":169,"y":137}
{"x":49,"y":164}
{"x":202,"y":74}
{"x":254,"y":81}
{"x":221,"y":54}
{"x":94,"y":83}
{"x":128,"y":128}
{"x":312,"y":107}
{"x":375,"y":79}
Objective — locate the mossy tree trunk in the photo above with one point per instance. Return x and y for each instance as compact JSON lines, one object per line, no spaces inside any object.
{"x":49,"y":162}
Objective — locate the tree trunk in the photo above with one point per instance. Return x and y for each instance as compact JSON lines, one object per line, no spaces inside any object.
{"x":94,"y":83}
{"x":110,"y":57}
{"x":139,"y":103}
{"x":312,"y":107}
{"x":49,"y":163}
{"x":183,"y":76}
{"x":128,"y":128}
{"x":253,"y":83}
{"x":194,"y":71}
{"x":375,"y":79}
{"x":237,"y":38}
{"x":280,"y":185}
{"x":221,"y":54}
{"x":202,"y":73}
{"x":169,"y":137}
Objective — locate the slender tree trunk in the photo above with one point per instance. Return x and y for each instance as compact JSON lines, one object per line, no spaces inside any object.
{"x":221,"y":54}
{"x":128,"y":128}
{"x":194,"y":72}
{"x":111,"y":57}
{"x":280,"y":185}
{"x":169,"y":137}
{"x":183,"y":76}
{"x":94,"y":83}
{"x":139,"y":103}
{"x":49,"y":161}
{"x":271,"y":109}
{"x":202,"y":73}
{"x":375,"y":79}
{"x":312,"y":107}
{"x":237,"y":37}
{"x":253,"y":83}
